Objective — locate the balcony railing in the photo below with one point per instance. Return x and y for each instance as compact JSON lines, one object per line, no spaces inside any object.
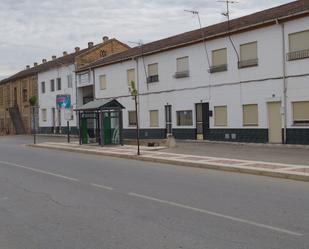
{"x":153,"y":78}
{"x":219,"y":68}
{"x":297,"y":55}
{"x":248,"y":63}
{"x":182,"y":74}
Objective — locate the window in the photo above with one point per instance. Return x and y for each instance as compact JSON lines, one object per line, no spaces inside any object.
{"x":70,"y":81}
{"x":219,"y":60}
{"x":52,"y":85}
{"x":153,"y":75}
{"x":1,"y":96}
{"x":154,"y":118}
{"x":301,"y":112}
{"x":130,"y":76}
{"x":248,"y":55}
{"x":44,"y":115}
{"x":84,"y":78}
{"x":103,"y":82}
{"x":250,"y":115}
{"x":182,"y":67}
{"x":132,"y":118}
{"x":8,"y":96}
{"x":43,"y":87}
{"x":25,"y":95}
{"x":220,"y":115}
{"x":299,"y":45}
{"x":1,"y":123}
{"x":184,"y":118}
{"x":58,"y":84}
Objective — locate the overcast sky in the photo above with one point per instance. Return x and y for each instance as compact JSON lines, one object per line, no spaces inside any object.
{"x":31,"y":30}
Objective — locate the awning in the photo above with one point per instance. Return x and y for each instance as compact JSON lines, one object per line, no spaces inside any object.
{"x":101,"y":104}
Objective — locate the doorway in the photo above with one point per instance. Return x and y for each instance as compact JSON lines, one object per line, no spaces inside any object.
{"x":15,"y":96}
{"x":202,"y":120}
{"x":274,"y":122}
{"x":168,"y":121}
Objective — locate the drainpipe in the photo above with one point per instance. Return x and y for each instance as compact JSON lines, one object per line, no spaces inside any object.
{"x":138,"y":100}
{"x":93,"y":80}
{"x":284,"y":83}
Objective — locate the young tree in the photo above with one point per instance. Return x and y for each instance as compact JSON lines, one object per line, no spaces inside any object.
{"x":134,"y":93}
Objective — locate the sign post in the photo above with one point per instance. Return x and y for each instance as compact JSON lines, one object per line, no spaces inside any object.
{"x":64,"y":102}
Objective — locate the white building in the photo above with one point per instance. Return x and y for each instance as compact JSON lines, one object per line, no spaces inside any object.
{"x":252,"y":86}
{"x":58,"y":77}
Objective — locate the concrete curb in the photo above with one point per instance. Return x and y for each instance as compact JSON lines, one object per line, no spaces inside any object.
{"x":261,"y":172}
{"x":266,"y":145}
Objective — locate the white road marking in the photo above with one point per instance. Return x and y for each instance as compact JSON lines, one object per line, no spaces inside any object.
{"x":217,"y":214}
{"x":101,"y":186}
{"x":39,"y":171}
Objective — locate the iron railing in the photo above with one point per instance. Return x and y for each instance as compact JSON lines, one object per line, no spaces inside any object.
{"x":219,"y":68}
{"x":248,"y":63}
{"x":297,"y":55}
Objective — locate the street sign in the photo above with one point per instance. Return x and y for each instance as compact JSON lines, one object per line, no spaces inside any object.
{"x":63,"y":101}
{"x":68,"y":114}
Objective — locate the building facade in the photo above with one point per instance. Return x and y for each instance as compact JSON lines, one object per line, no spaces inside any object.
{"x":15,"y":110}
{"x":248,"y":83}
{"x":45,"y":81}
{"x":60,"y":79}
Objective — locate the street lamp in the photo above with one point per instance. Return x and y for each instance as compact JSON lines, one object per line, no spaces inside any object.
{"x":33,"y":101}
{"x":134,"y":94}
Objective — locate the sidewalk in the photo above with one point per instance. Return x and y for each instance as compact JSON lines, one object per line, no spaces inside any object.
{"x":280,"y":170}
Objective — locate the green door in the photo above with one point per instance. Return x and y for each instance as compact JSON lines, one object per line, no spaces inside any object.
{"x":107,"y":129}
{"x":84,"y":130}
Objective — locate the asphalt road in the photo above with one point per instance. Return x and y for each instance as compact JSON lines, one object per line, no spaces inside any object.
{"x":51,"y":200}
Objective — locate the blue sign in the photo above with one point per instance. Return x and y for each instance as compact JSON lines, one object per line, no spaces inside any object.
{"x":63,"y":101}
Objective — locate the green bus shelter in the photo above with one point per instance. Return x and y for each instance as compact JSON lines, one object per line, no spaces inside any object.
{"x":100,"y":121}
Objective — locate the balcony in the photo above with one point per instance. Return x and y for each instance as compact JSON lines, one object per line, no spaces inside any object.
{"x":298,"y":55}
{"x":153,"y":78}
{"x":248,"y":63}
{"x":219,"y":68}
{"x":182,"y":74}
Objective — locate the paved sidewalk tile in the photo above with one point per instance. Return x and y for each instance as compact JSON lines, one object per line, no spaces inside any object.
{"x":245,"y":166}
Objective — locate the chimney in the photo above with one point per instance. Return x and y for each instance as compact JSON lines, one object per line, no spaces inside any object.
{"x":77,"y":49}
{"x":65,"y":53}
{"x":105,"y":38}
{"x":35,"y":64}
{"x":44,"y":61}
{"x":90,"y":44}
{"x":54,"y":57}
{"x":27,"y":67}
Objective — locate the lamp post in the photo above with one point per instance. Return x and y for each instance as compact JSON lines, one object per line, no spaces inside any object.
{"x":33,"y":102}
{"x":134,"y":94}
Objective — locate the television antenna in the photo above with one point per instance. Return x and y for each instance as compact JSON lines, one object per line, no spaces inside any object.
{"x":195,"y":12}
{"x":227,"y":14}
